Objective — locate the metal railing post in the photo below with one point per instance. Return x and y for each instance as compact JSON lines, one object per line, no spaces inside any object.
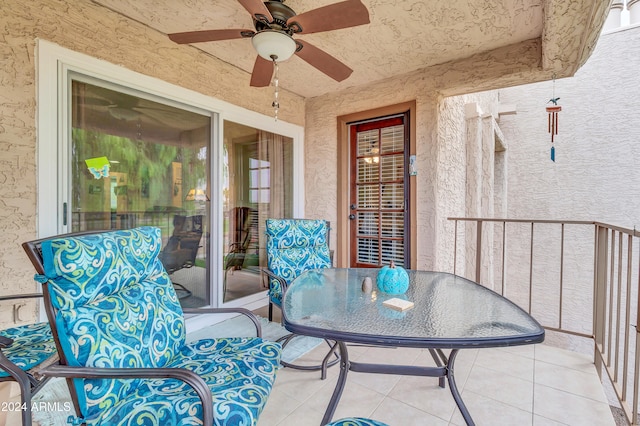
{"x":478,"y":250}
{"x":615,"y":328}
{"x":455,"y":246}
{"x":600,"y":294}
{"x":531,"y":270}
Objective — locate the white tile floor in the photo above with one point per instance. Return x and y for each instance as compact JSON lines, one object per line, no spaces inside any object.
{"x":528,"y":385}
{"x":535,"y":385}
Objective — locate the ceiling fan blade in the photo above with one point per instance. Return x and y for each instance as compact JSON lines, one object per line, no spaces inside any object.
{"x":209,"y":35}
{"x":350,"y":13}
{"x":262,"y":72}
{"x":257,"y":9}
{"x":323,"y":61}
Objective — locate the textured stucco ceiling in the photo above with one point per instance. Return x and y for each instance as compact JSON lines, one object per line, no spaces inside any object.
{"x":404,"y":36}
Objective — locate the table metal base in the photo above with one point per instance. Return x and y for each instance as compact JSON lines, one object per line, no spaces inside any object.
{"x":326,"y":362}
{"x":444,"y":368}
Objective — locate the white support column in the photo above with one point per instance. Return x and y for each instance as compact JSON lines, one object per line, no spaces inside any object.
{"x":473,"y":200}
{"x":614,"y":18}
{"x":473,"y":116}
{"x":484,"y":142}
{"x":488,"y":198}
{"x":634,"y":11}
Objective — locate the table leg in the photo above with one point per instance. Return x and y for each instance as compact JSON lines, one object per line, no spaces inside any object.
{"x":440,"y":359}
{"x":454,"y":389}
{"x":447,"y":371}
{"x":325,"y":360}
{"x":342,"y":379}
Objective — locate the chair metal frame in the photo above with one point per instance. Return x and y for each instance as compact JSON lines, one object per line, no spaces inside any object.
{"x":29,"y":384}
{"x":174,"y":256}
{"x":34,"y":252}
{"x":333,"y":346}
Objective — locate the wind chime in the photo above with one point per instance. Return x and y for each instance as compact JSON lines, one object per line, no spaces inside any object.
{"x":552,"y":119}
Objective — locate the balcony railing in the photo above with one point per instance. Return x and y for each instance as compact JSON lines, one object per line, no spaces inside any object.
{"x":579,"y":279}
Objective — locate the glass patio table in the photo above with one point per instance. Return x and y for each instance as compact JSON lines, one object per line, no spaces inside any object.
{"x":449,"y":312}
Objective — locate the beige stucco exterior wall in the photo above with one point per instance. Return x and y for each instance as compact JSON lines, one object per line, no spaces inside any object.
{"x":440,"y":157}
{"x":82,"y":26}
{"x":595,"y":175}
{"x":321,"y":173}
{"x":472,"y":183}
{"x":85,"y":27}
{"x":594,"y":178}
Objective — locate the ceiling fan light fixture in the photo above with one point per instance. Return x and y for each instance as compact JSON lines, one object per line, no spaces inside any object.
{"x":274,"y":45}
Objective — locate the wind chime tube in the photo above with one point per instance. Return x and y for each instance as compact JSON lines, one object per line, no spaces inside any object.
{"x":552,"y":121}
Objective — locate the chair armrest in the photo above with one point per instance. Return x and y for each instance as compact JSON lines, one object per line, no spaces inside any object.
{"x":26,"y":382}
{"x":281,"y":280}
{"x":5,"y":342}
{"x":189,"y":377}
{"x":242,"y":311}
{"x":21,"y":296}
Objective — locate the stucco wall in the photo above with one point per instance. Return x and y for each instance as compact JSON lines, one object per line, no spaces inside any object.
{"x":321,"y":173}
{"x":82,"y":26}
{"x":467,"y":183}
{"x":595,"y":175}
{"x":440,"y":156}
{"x":465,"y":170}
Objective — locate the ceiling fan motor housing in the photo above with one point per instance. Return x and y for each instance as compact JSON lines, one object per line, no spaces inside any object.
{"x":280,"y":12}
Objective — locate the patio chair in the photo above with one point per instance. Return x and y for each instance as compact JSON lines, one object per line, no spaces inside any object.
{"x":295,"y":246}
{"x":182,"y":248}
{"x":24,"y":350}
{"x":120,"y":333}
{"x":242,"y":218}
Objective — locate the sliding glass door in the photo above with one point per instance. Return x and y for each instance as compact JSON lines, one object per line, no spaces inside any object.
{"x":137,"y":161}
{"x":118,"y":149}
{"x":257,"y":184}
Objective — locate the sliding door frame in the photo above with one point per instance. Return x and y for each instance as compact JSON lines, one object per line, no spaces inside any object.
{"x":54,"y":63}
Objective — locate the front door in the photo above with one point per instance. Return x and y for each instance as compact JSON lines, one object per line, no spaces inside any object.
{"x":379,"y":192}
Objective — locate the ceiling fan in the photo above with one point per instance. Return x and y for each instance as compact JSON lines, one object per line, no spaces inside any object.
{"x":275,"y":24}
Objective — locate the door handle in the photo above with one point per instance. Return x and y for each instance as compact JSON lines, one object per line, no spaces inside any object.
{"x":352,"y":216}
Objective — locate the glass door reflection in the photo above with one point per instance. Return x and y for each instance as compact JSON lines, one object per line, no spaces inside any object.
{"x":136,"y":161}
{"x":257,"y":184}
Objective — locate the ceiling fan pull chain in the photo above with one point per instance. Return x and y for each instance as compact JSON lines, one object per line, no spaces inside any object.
{"x":276,"y":87}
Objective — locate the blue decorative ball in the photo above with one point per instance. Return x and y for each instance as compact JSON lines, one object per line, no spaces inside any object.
{"x":392,"y":279}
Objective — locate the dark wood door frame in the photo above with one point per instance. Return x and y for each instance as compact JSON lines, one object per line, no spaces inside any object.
{"x":342,"y":227}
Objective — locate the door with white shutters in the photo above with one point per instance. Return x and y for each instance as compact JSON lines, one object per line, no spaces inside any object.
{"x":379,"y":192}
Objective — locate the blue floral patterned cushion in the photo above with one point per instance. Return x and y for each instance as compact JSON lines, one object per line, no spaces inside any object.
{"x":356,"y":421}
{"x":294,"y":246}
{"x":239,"y":372}
{"x":32,"y":345}
{"x":116,"y":307}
